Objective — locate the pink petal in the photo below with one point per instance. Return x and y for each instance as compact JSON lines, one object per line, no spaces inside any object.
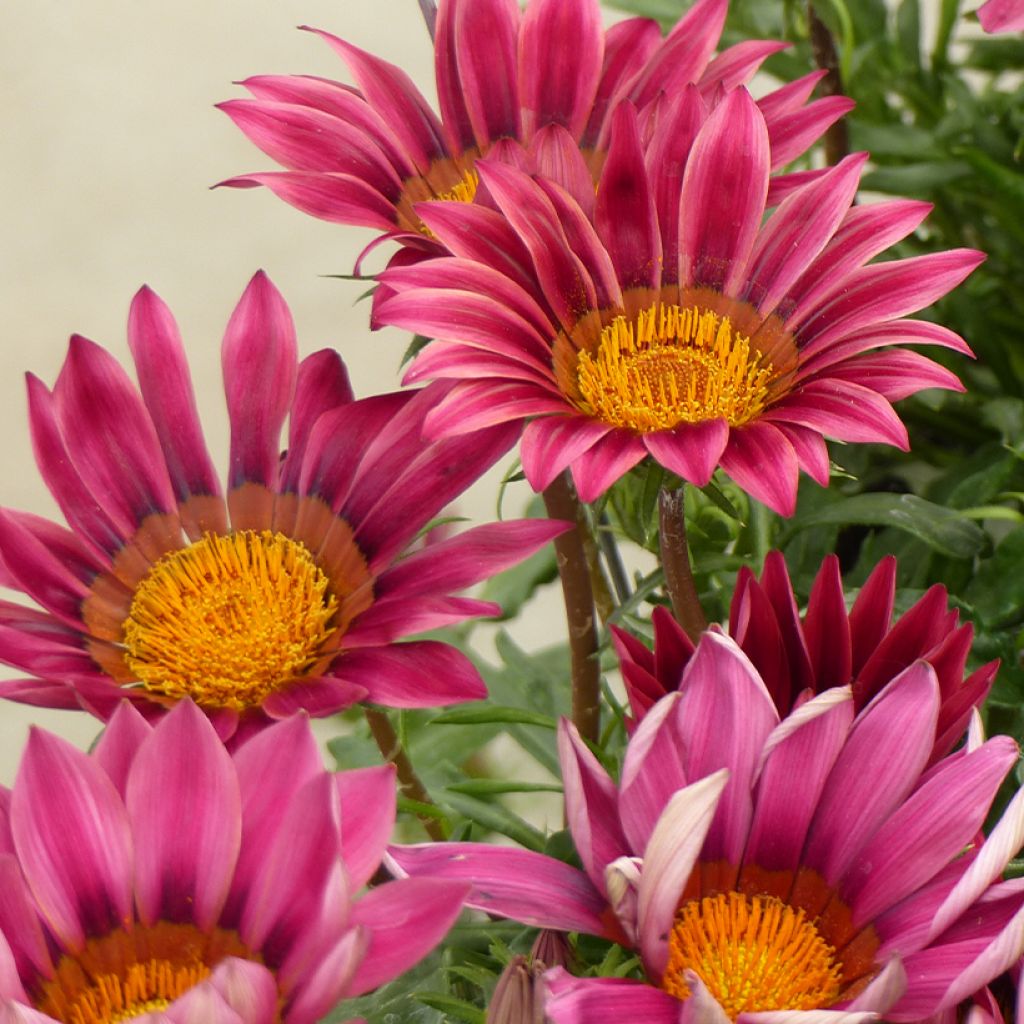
{"x":606,"y":1001}
{"x":367,"y":798}
{"x":692,"y":450}
{"x":551,"y":443}
{"x":896,"y":374}
{"x":116,"y":748}
{"x":73,"y":840}
{"x":724,"y":191}
{"x":557,"y":156}
{"x":185,"y":810}
{"x":597,"y":468}
{"x":827,"y":627}
{"x":761,"y":460}
{"x":259,"y":359}
{"x":872,"y":611}
{"x":329,"y":980}
{"x":416,"y":674}
{"x":739,"y":63}
{"x":399,"y":617}
{"x":1001,"y":16}
{"x":792,"y":133}
{"x":525,"y":886}
{"x":474,"y":405}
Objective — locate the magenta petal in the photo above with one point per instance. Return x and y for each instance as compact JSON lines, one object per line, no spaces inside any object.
{"x":329,"y":979}
{"x":625,"y":215}
{"x":1001,"y":16}
{"x":827,"y":627}
{"x":761,"y":460}
{"x":596,"y":469}
{"x":474,"y":405}
{"x":691,"y":450}
{"x":559,"y":91}
{"x":520,"y":884}
{"x":259,"y":360}
{"x":10,"y":983}
{"x":296,"y":866}
{"x":186,"y":815}
{"x":606,"y":1001}
{"x":738,"y":64}
{"x":116,"y":749}
{"x":896,"y":374}
{"x":406,"y":920}
{"x":724,"y":191}
{"x":20,"y":922}
{"x":317,"y":696}
{"x":399,"y":617}
{"x":811,"y":451}
{"x":166,"y":387}
{"x":550,"y":443}
{"x":591,"y":806}
{"x":417,"y":674}
{"x":557,"y":156}
{"x":367,"y":818}
{"x":73,"y":840}
{"x":880,"y":764}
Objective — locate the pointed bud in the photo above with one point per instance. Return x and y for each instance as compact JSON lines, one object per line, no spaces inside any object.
{"x":552,"y":949}
{"x":518,"y":997}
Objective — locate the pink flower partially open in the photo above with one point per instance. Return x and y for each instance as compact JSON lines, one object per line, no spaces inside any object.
{"x":667,"y":318}
{"x":798,"y":655}
{"x":163,"y":880}
{"x":289,"y":591}
{"x":765,"y":866}
{"x":1002,"y":15}
{"x":547,"y":77}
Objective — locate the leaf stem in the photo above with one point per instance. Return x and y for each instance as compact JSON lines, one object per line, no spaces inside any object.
{"x":837,"y":137}
{"x":574,"y":571}
{"x":675,"y":560}
{"x":409,"y":783}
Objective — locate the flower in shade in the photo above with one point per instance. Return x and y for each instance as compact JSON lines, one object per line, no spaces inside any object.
{"x":771,"y":866}
{"x":286,"y":592}
{"x":546,"y":77}
{"x":664,"y":318}
{"x":800,"y":655}
{"x":1002,"y":16}
{"x":162,"y":879}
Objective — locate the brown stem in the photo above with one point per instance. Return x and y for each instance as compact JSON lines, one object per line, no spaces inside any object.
{"x":409,"y":783}
{"x":675,"y":560}
{"x":837,"y":138}
{"x":574,"y":571}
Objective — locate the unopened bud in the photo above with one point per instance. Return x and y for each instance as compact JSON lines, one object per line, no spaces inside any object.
{"x":552,"y":949}
{"x":518,"y":997}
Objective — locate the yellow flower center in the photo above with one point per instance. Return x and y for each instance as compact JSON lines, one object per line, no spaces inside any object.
{"x":124,"y":975}
{"x":754,"y":953}
{"x":229,"y":619}
{"x":673,"y":365}
{"x":463,"y":191}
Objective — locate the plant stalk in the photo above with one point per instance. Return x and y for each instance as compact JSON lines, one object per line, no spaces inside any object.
{"x":574,"y":571}
{"x":675,"y":560}
{"x":409,"y":782}
{"x":837,"y":137}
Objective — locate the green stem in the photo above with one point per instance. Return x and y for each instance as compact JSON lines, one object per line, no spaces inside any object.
{"x":574,"y":572}
{"x":409,"y":783}
{"x":675,"y":561}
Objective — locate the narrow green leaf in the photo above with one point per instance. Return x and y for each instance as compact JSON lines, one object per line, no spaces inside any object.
{"x":496,"y":818}
{"x":488,"y":787}
{"x":418,"y":344}
{"x":457,"y":1008}
{"x":488,"y":714}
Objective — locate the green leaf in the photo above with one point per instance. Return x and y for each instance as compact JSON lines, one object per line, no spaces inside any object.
{"x":916,"y":178}
{"x":488,"y":714}
{"x":997,"y":590}
{"x":489,"y":787}
{"x":416,"y":346}
{"x":496,"y":818}
{"x":457,"y":1008}
{"x":942,"y":529}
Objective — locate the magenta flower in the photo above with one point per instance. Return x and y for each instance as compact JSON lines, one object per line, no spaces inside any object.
{"x":663,"y":318}
{"x":799,"y":656}
{"x":1002,"y":15}
{"x":289,"y":591}
{"x":768,"y":869}
{"x":162,"y":879}
{"x":547,"y":77}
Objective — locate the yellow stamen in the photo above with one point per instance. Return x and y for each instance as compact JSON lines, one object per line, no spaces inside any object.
{"x":674,"y":365}
{"x":465,"y":190}
{"x":126,"y":974}
{"x":754,"y":953}
{"x":229,"y":619}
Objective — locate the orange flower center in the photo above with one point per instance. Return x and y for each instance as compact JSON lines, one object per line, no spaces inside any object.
{"x":672,"y":365}
{"x":754,"y":953}
{"x":126,"y":974}
{"x":229,"y":620}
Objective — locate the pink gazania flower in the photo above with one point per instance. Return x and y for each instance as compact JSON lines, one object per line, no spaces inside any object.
{"x":1002,"y":16}
{"x":287,"y":593}
{"x":163,"y":880}
{"x":798,"y":655}
{"x":663,"y":318}
{"x":768,"y":869}
{"x":546,"y":77}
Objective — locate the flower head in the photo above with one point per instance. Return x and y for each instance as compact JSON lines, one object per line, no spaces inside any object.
{"x":1002,"y":16}
{"x":162,"y":879}
{"x":666,"y":318}
{"x":546,"y":77}
{"x":287,"y":591}
{"x":798,"y":655}
{"x":761,"y":864}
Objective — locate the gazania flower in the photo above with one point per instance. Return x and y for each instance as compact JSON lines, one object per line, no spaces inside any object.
{"x":286,"y":593}
{"x":162,"y":879}
{"x":1002,"y":15}
{"x":798,"y":656}
{"x":546,"y":77}
{"x":673,"y":322}
{"x":767,"y":866}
